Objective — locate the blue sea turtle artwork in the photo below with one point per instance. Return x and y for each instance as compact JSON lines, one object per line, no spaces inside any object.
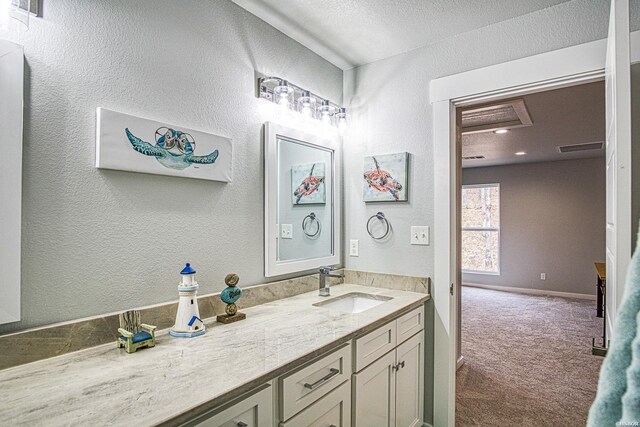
{"x":173,"y":149}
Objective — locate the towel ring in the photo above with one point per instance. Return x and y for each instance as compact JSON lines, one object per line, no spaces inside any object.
{"x":381,"y":217}
{"x":306,"y":225}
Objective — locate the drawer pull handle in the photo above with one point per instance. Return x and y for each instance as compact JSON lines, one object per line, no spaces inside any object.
{"x":332,"y":425}
{"x":241,"y":424}
{"x":332,"y":373}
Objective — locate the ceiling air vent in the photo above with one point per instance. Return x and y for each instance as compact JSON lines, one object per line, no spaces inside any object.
{"x":473,"y":158}
{"x":508,"y":114}
{"x":580,"y":147}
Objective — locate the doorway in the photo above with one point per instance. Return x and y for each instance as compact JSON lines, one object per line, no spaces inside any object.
{"x":565,"y":67}
{"x":532,"y":223}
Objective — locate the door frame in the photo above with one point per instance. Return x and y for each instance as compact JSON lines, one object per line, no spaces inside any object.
{"x":556,"y":69}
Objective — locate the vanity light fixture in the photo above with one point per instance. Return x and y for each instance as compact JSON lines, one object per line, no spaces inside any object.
{"x":520,"y":153}
{"x":500,"y":131}
{"x":307,"y":105}
{"x":295,"y":98}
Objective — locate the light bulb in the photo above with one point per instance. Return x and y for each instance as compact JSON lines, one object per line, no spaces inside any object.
{"x":307,"y":104}
{"x":326,"y":112}
{"x":283,"y":90}
{"x":341,"y":115}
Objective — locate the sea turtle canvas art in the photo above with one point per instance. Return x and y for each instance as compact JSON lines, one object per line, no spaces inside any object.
{"x":385,"y":177}
{"x":130,"y":143}
{"x":307,"y":184}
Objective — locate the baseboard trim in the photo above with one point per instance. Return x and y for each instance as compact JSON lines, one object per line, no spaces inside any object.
{"x":530,"y":291}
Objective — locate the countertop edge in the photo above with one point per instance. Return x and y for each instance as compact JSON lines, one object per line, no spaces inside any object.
{"x":245,"y":388}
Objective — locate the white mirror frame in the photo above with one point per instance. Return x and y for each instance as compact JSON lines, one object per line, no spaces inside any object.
{"x":273,"y":267}
{"x":11,"y":107}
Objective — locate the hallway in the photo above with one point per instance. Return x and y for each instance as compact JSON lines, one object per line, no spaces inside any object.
{"x":527,"y":360}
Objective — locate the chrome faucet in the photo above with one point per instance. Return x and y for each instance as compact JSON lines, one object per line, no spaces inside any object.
{"x":324,"y":285}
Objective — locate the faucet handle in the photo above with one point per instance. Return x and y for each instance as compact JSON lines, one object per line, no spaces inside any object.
{"x":326,"y":269}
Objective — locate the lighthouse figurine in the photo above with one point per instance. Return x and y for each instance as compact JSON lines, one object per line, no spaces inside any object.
{"x":188,"y":323}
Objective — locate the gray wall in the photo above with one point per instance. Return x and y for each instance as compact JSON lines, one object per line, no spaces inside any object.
{"x":97,"y":241}
{"x":391,"y":112}
{"x":552,"y":221}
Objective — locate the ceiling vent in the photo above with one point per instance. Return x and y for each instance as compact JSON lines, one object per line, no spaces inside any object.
{"x":581,"y":147}
{"x":508,"y":114}
{"x":473,"y":158}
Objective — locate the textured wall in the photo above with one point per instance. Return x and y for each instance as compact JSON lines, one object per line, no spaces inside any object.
{"x":390,"y":107}
{"x":552,"y":221}
{"x":96,"y":241}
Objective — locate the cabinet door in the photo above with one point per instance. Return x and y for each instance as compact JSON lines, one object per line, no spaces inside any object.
{"x":410,"y":381}
{"x":333,"y":410}
{"x":374,"y":386}
{"x":253,"y":411}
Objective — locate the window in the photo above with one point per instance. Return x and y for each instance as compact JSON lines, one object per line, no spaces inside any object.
{"x":480,"y":208}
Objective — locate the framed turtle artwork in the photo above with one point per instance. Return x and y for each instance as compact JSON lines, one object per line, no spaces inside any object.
{"x":386,"y":178}
{"x":307,"y":184}
{"x":134,"y":144}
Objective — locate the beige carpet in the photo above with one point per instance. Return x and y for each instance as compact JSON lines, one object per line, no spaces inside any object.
{"x":528,"y":360}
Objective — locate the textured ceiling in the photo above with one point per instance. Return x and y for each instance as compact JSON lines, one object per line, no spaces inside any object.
{"x":349,"y":33}
{"x":573,"y":115}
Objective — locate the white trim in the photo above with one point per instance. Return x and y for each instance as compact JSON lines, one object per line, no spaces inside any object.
{"x":530,"y":291}
{"x":560,"y":68}
{"x":460,"y":362}
{"x":273,"y":267}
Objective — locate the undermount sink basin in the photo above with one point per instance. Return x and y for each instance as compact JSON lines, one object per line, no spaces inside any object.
{"x":354,"y":302}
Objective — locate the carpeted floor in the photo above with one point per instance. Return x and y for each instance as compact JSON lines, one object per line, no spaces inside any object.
{"x":527,"y":358}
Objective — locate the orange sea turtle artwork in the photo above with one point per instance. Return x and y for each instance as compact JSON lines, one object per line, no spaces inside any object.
{"x":310,"y":186}
{"x":382,"y":181}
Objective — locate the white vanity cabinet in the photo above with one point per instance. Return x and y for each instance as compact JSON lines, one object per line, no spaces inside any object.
{"x":389,"y":391}
{"x":255,"y":410}
{"x":375,"y":380}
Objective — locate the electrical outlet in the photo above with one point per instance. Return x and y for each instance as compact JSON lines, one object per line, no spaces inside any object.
{"x":419,"y":235}
{"x":543,"y":276}
{"x":354,"y":248}
{"x":287,"y":231}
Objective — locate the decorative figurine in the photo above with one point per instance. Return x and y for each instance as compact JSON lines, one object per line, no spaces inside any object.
{"x":230,"y":296}
{"x":133,"y":334}
{"x":188,"y":323}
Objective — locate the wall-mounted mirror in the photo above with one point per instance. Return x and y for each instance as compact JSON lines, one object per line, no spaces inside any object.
{"x":302,"y":200}
{"x":11,"y":88}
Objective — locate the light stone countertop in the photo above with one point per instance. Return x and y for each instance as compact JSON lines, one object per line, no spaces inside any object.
{"x":106,"y":386}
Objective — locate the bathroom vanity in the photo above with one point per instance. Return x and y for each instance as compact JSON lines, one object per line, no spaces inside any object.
{"x":299,"y":361}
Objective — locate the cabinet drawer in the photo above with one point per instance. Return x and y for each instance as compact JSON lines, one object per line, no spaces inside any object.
{"x":333,"y":410}
{"x":253,"y":411}
{"x":375,"y":344}
{"x":409,"y":324}
{"x":301,"y":388}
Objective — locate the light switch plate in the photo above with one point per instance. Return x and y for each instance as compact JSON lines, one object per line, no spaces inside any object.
{"x":354,"y":248}
{"x":287,"y":231}
{"x":420,"y":235}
